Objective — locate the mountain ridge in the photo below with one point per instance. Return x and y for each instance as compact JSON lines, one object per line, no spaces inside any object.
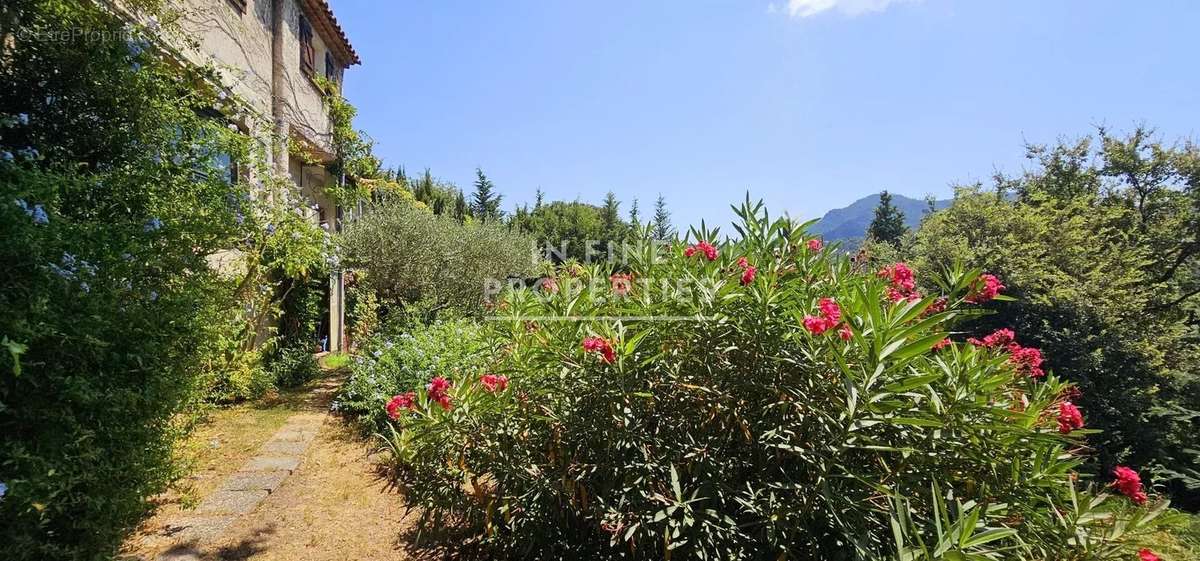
{"x":851,"y":222}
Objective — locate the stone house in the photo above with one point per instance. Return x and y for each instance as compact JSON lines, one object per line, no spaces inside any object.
{"x":268,"y":53}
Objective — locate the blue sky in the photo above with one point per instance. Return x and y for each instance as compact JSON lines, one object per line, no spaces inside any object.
{"x":808,"y":104}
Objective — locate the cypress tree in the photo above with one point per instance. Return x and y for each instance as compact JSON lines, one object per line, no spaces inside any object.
{"x":485,"y":203}
{"x":888,"y":225}
{"x":662,"y":220}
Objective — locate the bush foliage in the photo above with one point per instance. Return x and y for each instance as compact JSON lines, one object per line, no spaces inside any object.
{"x":762,"y":399}
{"x":116,"y":200}
{"x":392,"y":362}
{"x":410,"y":255}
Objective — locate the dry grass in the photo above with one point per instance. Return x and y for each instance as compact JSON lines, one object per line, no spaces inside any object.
{"x":334,"y":507}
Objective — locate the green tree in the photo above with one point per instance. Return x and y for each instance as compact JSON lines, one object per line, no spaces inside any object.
{"x":412,"y":256}
{"x":634,"y":219}
{"x":1098,"y":245}
{"x":662,"y":220}
{"x":888,"y":224}
{"x":610,"y":218}
{"x":485,"y":202}
{"x":460,"y":208}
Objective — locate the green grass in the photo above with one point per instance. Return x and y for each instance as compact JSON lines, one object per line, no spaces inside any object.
{"x":335,"y":361}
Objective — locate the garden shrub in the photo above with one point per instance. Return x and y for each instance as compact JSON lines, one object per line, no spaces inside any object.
{"x":409,"y":254}
{"x":760,"y":399}
{"x":293,"y":366}
{"x":395,"y":361}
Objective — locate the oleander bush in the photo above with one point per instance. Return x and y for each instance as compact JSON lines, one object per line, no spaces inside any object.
{"x":761,"y":399}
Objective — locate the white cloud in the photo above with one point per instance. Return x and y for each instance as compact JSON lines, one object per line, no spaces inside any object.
{"x":809,"y":8}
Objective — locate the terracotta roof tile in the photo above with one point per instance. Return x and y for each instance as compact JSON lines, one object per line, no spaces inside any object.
{"x":322,"y":15}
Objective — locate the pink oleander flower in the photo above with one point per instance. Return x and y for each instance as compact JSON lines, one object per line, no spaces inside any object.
{"x":400,"y":402}
{"x":984,"y":288}
{"x":1147,"y":555}
{"x":494,"y":383}
{"x":844,"y":332}
{"x":817,"y":325}
{"x":549,"y":285}
{"x":998,"y":338}
{"x":941,"y":344}
{"x":830,"y":309}
{"x":709,"y":250}
{"x":900,"y":276}
{"x":438,"y":391}
{"x":749,"y":274}
{"x":742,"y":262}
{"x":1027,"y":359}
{"x":815,"y":245}
{"x":601,"y":346}
{"x":622,"y":284}
{"x":1129,"y":483}
{"x":1069,"y":417}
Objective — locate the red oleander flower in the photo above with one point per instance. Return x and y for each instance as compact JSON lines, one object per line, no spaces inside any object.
{"x":602,"y":346}
{"x":438,"y":390}
{"x":1147,"y":555}
{"x":815,"y":245}
{"x":494,"y":383}
{"x":941,"y":344}
{"x":549,"y":285}
{"x":830,"y":309}
{"x":1069,"y":417}
{"x":984,"y":288}
{"x":621,"y":283}
{"x":400,"y":402}
{"x":742,"y":262}
{"x":748,"y":275}
{"x":709,"y":250}
{"x":1129,"y":483}
{"x":845,"y":332}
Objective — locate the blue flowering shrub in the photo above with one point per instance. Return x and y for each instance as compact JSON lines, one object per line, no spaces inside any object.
{"x":393,"y":362}
{"x":116,"y":199}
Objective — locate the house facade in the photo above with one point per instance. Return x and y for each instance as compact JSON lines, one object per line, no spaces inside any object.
{"x":269,"y":53}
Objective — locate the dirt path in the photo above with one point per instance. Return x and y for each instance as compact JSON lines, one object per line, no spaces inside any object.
{"x":303,"y":489}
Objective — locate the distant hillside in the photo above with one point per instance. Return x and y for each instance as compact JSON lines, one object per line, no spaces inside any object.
{"x":850,"y":223}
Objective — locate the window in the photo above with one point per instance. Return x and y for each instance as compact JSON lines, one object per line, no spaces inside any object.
{"x":307,"y":55}
{"x":215,"y":160}
{"x":331,"y":68}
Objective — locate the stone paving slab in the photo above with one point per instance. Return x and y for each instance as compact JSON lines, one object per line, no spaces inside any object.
{"x":243,"y":491}
{"x":232,"y":502}
{"x":181,"y":554}
{"x":254,"y":481}
{"x":284,"y":448}
{"x":289,"y":434}
{"x":198,"y":528}
{"x":272,"y":463}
